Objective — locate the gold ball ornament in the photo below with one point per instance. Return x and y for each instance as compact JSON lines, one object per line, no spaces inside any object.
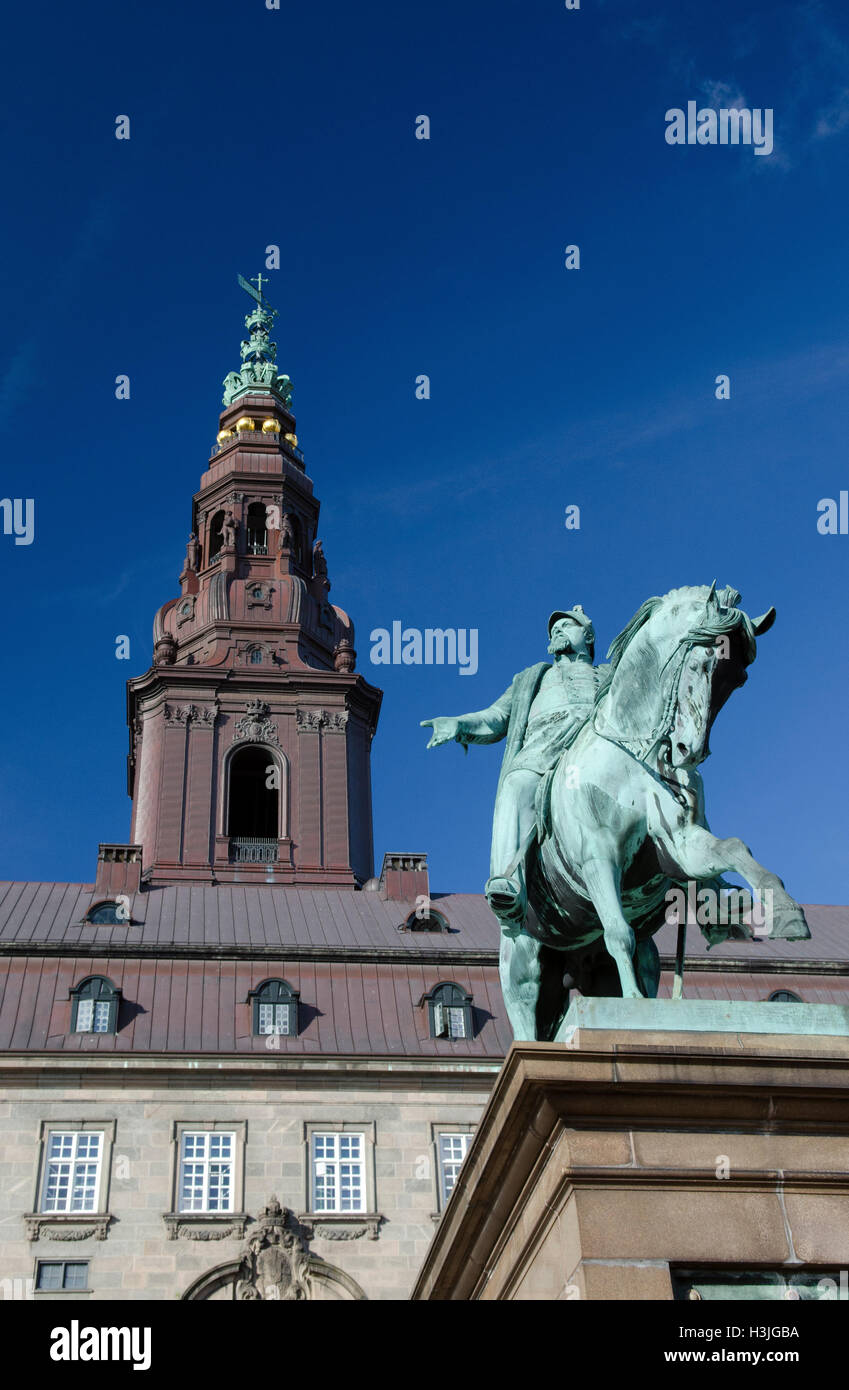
{"x":270,"y":427}
{"x":245,"y":425}
{"x":291,"y":439}
{"x":224,"y":435}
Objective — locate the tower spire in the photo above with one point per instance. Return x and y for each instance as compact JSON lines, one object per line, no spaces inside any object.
{"x":258,"y":373}
{"x":250,"y":735}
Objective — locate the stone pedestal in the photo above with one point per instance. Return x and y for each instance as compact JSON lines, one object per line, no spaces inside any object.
{"x":651,"y":1162}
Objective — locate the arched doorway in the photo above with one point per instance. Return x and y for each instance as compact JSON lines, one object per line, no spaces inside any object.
{"x":274,"y":1266}
{"x":328,"y":1283}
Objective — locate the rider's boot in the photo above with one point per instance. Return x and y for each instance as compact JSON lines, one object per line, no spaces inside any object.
{"x":508,"y":898}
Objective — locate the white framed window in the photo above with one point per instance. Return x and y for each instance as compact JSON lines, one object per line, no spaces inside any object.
{"x":338,"y":1171}
{"x":207,"y":1170}
{"x":93,"y":1016}
{"x":72,"y":1171}
{"x":94,"y":1006}
{"x":449,"y":1011}
{"x":452,"y":1149}
{"x":449,"y":1021}
{"x":274,"y":1018}
{"x":275,"y":1009}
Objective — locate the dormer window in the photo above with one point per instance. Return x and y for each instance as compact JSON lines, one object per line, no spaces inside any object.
{"x":114,"y":913}
{"x":95,"y":1006}
{"x":428,"y":921}
{"x":255,"y":657}
{"x":275,"y":1009}
{"x":449,"y":1011}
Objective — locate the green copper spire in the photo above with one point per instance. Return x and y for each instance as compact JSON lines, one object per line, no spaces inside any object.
{"x":259,"y":354}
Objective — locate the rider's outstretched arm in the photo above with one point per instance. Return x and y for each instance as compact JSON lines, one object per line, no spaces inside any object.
{"x":487,"y":725}
{"x":482,"y":726}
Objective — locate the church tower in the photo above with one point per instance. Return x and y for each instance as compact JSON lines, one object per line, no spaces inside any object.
{"x":250,"y":736}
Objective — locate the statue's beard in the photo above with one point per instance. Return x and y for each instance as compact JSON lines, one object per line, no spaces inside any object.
{"x":559,"y":646}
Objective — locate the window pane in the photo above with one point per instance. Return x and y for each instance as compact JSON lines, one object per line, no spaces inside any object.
{"x":76,"y":1275}
{"x":338,"y":1172}
{"x":452,"y":1150}
{"x":206,"y":1172}
{"x":56,"y":1187}
{"x":85,"y":1015}
{"x":191,"y":1187}
{"x":456,"y":1023}
{"x":101,"y":1017}
{"x":85,"y":1187}
{"x":49,"y":1275}
{"x":72,"y":1171}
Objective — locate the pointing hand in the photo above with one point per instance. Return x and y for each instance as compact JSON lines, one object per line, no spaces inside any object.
{"x":445,"y":730}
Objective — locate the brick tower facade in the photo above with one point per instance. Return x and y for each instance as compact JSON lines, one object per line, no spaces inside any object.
{"x":250,"y":735}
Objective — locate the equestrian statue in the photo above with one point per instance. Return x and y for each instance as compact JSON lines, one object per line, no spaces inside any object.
{"x":599,"y":811}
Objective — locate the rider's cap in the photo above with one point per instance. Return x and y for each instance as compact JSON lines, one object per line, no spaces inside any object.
{"x":577,"y":613}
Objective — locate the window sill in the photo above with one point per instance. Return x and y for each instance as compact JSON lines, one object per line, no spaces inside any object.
{"x":209,"y":1225}
{"x":341,"y":1225}
{"x":60,"y":1225}
{"x":62,"y":1293}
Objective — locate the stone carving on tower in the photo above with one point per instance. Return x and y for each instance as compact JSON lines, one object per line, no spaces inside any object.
{"x":255,"y":726}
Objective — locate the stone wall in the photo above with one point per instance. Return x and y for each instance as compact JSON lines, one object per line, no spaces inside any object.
{"x":138,"y":1260}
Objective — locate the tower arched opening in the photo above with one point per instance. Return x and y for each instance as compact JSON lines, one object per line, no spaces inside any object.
{"x":253,"y":810}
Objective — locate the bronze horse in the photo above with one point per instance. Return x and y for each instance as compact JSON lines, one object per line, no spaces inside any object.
{"x":624,"y":820}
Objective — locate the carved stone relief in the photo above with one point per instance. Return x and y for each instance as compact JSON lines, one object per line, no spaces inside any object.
{"x":275,"y":1263}
{"x":255,"y":726}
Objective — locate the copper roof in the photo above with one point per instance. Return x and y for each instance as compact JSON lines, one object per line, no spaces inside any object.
{"x":325,"y":921}
{"x":190,"y":955}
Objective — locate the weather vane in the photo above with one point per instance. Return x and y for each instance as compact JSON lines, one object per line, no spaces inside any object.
{"x":256,"y":292}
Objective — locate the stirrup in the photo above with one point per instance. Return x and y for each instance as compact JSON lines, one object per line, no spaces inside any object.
{"x":506,"y":897}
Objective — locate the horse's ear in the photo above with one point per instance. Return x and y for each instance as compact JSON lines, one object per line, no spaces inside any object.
{"x":764,"y":622}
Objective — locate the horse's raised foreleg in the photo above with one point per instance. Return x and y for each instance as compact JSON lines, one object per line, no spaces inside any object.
{"x":702,"y":855}
{"x":602,"y":878}
{"x":520,"y":970}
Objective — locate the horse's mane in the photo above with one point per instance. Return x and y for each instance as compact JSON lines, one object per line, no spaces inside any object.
{"x":727,"y":598}
{"x":617,"y":647}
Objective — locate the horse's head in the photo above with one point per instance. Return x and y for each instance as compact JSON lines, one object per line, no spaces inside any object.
{"x":672,"y":669}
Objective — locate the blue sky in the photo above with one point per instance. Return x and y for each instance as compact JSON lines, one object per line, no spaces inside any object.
{"x":548,"y":387}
